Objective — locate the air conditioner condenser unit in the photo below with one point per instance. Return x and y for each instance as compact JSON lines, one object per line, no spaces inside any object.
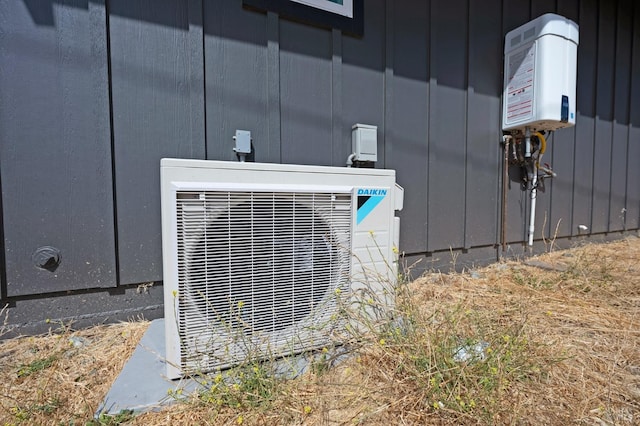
{"x":257,"y":257}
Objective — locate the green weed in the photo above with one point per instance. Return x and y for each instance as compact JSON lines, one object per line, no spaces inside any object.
{"x":48,"y":407}
{"x":111,"y":420}
{"x":24,"y":414}
{"x":535,"y":281}
{"x":37,"y":365}
{"x":247,"y":386}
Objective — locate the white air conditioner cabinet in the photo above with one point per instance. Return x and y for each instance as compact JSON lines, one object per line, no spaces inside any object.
{"x":257,"y":258}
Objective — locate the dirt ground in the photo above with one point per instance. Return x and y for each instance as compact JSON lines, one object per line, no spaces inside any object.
{"x":577,"y":319}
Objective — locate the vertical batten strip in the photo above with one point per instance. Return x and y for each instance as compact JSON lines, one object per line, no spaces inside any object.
{"x":273,"y":88}
{"x":338,"y":144}
{"x":388,"y":85}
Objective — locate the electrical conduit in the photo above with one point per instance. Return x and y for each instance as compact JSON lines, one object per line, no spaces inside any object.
{"x":534,"y":185}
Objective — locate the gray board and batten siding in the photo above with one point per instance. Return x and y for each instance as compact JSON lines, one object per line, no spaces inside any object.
{"x":94,"y":92}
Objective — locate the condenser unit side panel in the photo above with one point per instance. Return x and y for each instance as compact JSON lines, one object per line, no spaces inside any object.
{"x":170,"y":273}
{"x":373,"y":238}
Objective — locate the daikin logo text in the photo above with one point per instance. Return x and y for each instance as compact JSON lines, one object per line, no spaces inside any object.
{"x":378,"y":192}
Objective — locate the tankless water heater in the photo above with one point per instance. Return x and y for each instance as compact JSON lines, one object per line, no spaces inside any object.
{"x":540,"y":74}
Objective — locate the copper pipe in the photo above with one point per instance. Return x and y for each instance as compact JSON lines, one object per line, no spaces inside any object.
{"x":505,"y":182}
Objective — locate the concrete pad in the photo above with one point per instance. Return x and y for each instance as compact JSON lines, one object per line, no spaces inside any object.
{"x":142,"y":384}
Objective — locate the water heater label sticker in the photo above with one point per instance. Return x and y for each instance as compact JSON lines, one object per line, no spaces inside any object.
{"x":520,"y":87}
{"x":368,"y":199}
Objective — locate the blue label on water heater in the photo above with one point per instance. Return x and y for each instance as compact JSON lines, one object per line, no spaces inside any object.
{"x":564,"y":113}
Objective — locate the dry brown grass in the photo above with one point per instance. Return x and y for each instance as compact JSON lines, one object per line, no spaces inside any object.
{"x":49,"y":380}
{"x":562,"y":348}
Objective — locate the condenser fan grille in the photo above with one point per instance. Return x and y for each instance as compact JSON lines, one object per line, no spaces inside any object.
{"x":258,"y":272}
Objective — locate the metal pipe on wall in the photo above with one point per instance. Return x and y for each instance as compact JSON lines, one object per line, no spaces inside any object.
{"x":505,"y":184}
{"x":532,"y":213}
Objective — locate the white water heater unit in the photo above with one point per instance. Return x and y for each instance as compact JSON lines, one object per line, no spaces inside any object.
{"x":540,"y":74}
